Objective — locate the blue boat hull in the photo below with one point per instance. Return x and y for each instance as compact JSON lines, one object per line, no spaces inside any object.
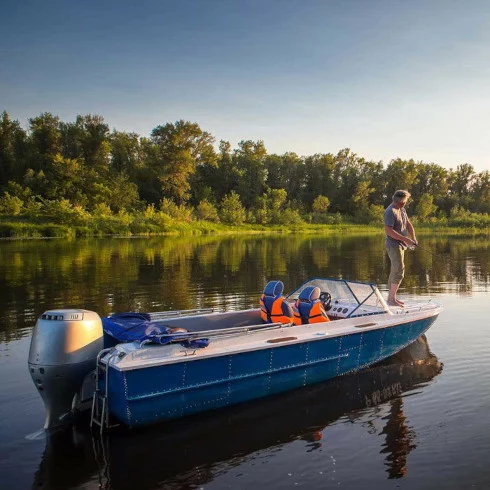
{"x":148,"y":395}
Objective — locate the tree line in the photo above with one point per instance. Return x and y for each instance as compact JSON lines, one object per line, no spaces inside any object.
{"x":70,"y":171}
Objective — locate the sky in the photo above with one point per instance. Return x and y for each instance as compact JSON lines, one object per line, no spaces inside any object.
{"x":385,"y":78}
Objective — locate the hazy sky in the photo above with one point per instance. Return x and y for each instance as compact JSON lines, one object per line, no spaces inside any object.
{"x":386,"y":78}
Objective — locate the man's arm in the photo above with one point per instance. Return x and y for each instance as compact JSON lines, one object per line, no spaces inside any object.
{"x":398,"y":236}
{"x":411,"y":231}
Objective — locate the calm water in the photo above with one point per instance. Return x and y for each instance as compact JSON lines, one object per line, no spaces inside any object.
{"x":419,"y":420}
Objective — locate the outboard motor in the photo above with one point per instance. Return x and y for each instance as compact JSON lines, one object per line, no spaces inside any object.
{"x":64,"y":348}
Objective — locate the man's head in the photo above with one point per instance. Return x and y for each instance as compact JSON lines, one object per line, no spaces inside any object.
{"x":400,"y":198}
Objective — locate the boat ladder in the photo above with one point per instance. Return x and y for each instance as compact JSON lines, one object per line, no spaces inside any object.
{"x":100,"y":401}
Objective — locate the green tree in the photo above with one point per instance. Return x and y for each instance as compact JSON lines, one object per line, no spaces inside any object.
{"x":249,"y":160}
{"x":87,"y":138}
{"x":321,"y":204}
{"x":354,"y":179}
{"x":146,"y":178}
{"x":10,"y":205}
{"x":360,"y":198}
{"x":179,"y":149}
{"x":224,"y":178}
{"x":206,"y":211}
{"x":95,"y":142}
{"x":122,"y":195}
{"x":13,"y":149}
{"x":67,"y":180}
{"x":480,"y":192}
{"x":286,"y":172}
{"x":126,"y":152}
{"x":260,"y":213}
{"x":370,"y":214}
{"x":232,"y":212}
{"x":37,"y":182}
{"x":425,"y":207}
{"x":318,"y":178}
{"x":460,"y":185}
{"x":461,"y":179}
{"x":276,"y":200}
{"x":45,"y":140}
{"x":179,"y":212}
{"x":432,"y":179}
{"x":216,"y":179}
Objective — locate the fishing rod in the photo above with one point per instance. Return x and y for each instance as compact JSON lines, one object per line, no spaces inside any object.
{"x":176,"y":337}
{"x":413,"y":247}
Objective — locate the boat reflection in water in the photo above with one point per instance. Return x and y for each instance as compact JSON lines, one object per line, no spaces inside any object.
{"x":188,"y":451}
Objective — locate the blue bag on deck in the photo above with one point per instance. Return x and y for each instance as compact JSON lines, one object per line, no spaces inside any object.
{"x":132,"y":326}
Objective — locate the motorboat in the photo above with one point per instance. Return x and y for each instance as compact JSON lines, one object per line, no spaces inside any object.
{"x":143,"y":368}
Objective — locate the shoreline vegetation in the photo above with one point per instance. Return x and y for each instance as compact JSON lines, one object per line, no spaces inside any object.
{"x":23,"y":229}
{"x":80,"y":179}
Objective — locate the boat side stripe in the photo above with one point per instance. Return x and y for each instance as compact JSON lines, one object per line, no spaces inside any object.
{"x":236,"y":378}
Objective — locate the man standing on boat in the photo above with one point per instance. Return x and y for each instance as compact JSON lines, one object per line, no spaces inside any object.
{"x":398,"y":229}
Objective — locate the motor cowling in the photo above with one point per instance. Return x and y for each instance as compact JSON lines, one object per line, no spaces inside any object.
{"x":63,"y":351}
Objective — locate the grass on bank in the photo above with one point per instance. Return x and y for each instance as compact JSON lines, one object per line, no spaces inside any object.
{"x":20,"y":227}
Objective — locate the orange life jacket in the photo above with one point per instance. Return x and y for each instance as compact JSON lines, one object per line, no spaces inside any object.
{"x":306,"y":312}
{"x":280,"y":311}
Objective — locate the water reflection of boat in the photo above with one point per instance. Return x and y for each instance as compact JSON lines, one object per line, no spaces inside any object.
{"x":179,"y":451}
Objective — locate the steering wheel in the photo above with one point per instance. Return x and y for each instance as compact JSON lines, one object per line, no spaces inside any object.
{"x":326,"y":299}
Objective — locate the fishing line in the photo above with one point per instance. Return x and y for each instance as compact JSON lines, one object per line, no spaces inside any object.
{"x":442,"y":257}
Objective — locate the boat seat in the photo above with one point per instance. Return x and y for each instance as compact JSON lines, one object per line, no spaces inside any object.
{"x":273,"y":306}
{"x":308,"y":307}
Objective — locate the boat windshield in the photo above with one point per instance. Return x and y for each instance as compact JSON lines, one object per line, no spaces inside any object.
{"x":357,"y":293}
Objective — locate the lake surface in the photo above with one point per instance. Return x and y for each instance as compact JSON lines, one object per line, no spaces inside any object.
{"x":420,"y":420}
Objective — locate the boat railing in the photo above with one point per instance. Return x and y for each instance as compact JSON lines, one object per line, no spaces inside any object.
{"x":416,"y":307}
{"x":161,"y":315}
{"x":206,"y":334}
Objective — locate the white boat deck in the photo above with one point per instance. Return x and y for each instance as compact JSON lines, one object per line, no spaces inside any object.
{"x":135,"y":356}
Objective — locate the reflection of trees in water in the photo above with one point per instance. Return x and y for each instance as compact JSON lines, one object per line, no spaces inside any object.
{"x":455,"y":264}
{"x":195,"y":450}
{"x":109,"y":275}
